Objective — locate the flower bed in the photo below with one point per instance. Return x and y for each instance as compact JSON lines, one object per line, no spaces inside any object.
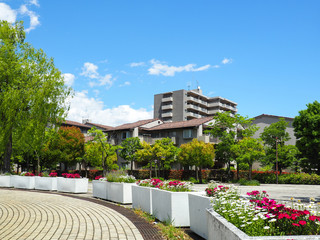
{"x":72,"y":183}
{"x":6,"y":181}
{"x":261,"y":216}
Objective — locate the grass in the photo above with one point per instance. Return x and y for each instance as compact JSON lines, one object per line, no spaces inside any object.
{"x":245,"y":182}
{"x":167,"y":230}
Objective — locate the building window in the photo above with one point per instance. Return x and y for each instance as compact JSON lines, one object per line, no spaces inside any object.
{"x":125,"y":135}
{"x":187,"y":133}
{"x":172,"y":134}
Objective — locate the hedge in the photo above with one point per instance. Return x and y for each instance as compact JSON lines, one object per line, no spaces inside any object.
{"x":283,"y":178}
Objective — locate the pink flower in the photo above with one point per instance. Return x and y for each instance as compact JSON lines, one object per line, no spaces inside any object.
{"x":301,"y":222}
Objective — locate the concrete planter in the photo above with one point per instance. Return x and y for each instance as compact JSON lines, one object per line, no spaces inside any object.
{"x":25,"y":182}
{"x":171,"y":206}
{"x":46,"y":183}
{"x":72,"y":185}
{"x":100,"y":189}
{"x":142,"y":198}
{"x":220,"y":229}
{"x":198,"y":203}
{"x":120,"y":192}
{"x":6,"y":181}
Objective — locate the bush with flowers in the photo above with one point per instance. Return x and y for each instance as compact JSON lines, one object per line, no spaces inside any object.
{"x":120,"y":176}
{"x":53,"y":174}
{"x":213,"y":189}
{"x":261,"y":216}
{"x":27,"y":174}
{"x":70,"y":175}
{"x":173,"y":186}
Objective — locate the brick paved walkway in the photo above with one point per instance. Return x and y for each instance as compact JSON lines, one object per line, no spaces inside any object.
{"x":35,"y":215}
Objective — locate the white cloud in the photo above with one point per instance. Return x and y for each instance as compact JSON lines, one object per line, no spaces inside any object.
{"x":7,"y":14}
{"x":34,"y":18}
{"x":90,"y":70}
{"x":68,"y":79}
{"x":226,"y":60}
{"x":158,"y":68}
{"x":34,"y":2}
{"x":137,"y":64}
{"x":82,"y":106}
{"x":125,"y":84}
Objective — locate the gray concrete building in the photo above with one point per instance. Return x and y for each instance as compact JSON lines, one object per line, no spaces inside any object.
{"x":264,"y":120}
{"x":184,"y":105}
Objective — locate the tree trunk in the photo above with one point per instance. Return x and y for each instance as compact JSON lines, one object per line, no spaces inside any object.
{"x":7,"y":155}
{"x":150,"y":172}
{"x":250,"y":172}
{"x":131,"y":165}
{"x":200,"y":175}
{"x":197,"y":174}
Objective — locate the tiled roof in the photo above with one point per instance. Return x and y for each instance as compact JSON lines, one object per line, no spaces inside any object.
{"x":133,"y":125}
{"x":73,"y":123}
{"x":101,"y":126}
{"x":88,"y":138}
{"x":273,"y":116}
{"x":183,"y":124}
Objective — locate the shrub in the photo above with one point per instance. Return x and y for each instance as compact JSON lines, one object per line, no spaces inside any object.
{"x":246,"y":182}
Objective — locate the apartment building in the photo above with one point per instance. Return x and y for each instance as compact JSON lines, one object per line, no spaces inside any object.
{"x":184,"y":105}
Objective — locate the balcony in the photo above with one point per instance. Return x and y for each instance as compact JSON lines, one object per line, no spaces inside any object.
{"x":167,"y":99}
{"x":193,"y":115}
{"x":199,"y":101}
{"x":168,"y":114}
{"x":197,"y":108}
{"x":166,"y":107}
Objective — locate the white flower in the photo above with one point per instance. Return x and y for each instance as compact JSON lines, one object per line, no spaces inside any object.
{"x":273,"y":220}
{"x":266,"y":227}
{"x":243,"y":225}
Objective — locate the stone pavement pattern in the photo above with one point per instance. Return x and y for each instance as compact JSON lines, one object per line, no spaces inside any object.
{"x":26,"y":215}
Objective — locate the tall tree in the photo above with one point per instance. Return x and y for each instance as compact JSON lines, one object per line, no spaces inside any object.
{"x":107,"y":152}
{"x":274,"y":137}
{"x":197,"y":153}
{"x":129,"y":147}
{"x":229,"y":129}
{"x":165,"y":153}
{"x":307,"y":131}
{"x":146,"y":155}
{"x":32,"y":91}
{"x":248,"y":150}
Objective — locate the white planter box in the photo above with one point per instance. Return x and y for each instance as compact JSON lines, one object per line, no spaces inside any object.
{"x":171,"y":206}
{"x":46,"y":183}
{"x":198,"y":204}
{"x":220,"y":229}
{"x":100,"y":189}
{"x":73,"y":185}
{"x":120,"y":192}
{"x":6,"y":181}
{"x":142,"y":198}
{"x":26,"y":182}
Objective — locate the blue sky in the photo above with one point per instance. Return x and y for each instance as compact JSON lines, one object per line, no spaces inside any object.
{"x":117,"y":54}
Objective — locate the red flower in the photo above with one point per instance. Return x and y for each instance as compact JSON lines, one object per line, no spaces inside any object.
{"x":301,"y":222}
{"x":296,"y":224}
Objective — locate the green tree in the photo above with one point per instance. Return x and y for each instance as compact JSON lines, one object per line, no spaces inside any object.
{"x":32,"y":91}
{"x":307,"y":131}
{"x":165,"y":153}
{"x":197,"y":153}
{"x":275,"y":132}
{"x":146,"y":155}
{"x":229,"y":129}
{"x":274,"y":137}
{"x":129,"y":147}
{"x":248,"y":150}
{"x":107,"y":152}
